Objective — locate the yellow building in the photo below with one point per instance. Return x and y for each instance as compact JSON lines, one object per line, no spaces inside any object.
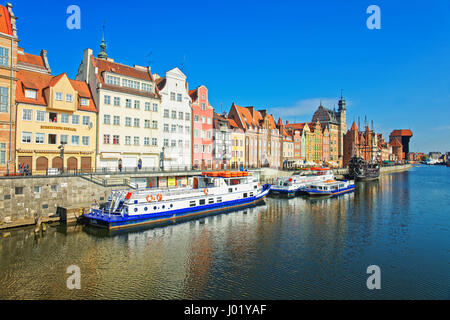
{"x":237,"y":148}
{"x":54,"y":112}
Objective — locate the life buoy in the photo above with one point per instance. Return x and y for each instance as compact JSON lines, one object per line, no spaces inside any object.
{"x":159,"y":197}
{"x":150,"y":198}
{"x":206,"y":191}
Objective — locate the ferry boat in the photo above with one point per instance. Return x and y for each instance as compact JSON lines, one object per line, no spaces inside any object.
{"x":331,"y":188}
{"x":212,"y":192}
{"x":299,"y":181}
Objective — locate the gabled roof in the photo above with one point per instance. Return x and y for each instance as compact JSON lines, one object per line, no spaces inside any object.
{"x":395,"y":143}
{"x":5,"y":21}
{"x":40,"y":82}
{"x":354,"y":127}
{"x":249,"y":116}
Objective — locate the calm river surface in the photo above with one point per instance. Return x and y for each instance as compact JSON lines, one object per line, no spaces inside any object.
{"x":285,"y":249}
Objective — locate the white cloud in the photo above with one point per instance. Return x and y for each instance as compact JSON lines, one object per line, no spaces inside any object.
{"x":443,"y":128}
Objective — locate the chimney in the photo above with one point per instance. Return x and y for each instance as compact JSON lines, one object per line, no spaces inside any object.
{"x":44,"y":58}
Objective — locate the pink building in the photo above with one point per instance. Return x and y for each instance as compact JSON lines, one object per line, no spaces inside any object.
{"x":202,"y":129}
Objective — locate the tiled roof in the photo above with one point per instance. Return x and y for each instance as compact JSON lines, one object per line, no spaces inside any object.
{"x":249,"y":116}
{"x":193,"y":94}
{"x":114,"y":67}
{"x":296,"y":126}
{"x":401,"y":133}
{"x":40,"y":82}
{"x":233,"y":123}
{"x":30,"y":59}
{"x":5,"y":21}
{"x":354,"y":127}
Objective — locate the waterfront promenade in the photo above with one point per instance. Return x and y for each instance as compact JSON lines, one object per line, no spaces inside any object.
{"x":23,"y":199}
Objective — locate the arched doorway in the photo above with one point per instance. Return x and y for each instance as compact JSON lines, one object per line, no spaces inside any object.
{"x":42,"y":164}
{"x":57,"y":163}
{"x":72,"y":163}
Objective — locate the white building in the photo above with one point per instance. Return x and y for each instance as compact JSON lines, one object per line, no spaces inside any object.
{"x":129,"y":113}
{"x":176,"y":119}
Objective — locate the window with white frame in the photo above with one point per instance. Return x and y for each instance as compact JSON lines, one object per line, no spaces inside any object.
{"x":154,"y":142}
{"x":75,"y":119}
{"x":75,"y":140}
{"x":69,"y":97}
{"x":84,"y":102}
{"x":128,"y":140}
{"x":155,"y":124}
{"x":2,"y":153}
{"x":4,"y":56}
{"x":30,"y":94}
{"x":116,"y":120}
{"x":172,"y":96}
{"x":64,"y":139}
{"x":128,"y":103}
{"x":147,"y":106}
{"x":117,"y":101}
{"x":40,"y":116}
{"x":64,"y":118}
{"x":136,"y":141}
{"x":27,"y":114}
{"x":4,"y":96}
{"x":58,"y":96}
{"x":179,"y":97}
{"x":26,"y":137}
{"x":146,"y":141}
{"x":107,"y":100}
{"x":106,"y":119}
{"x":128,"y":121}
{"x":155,"y":107}
{"x":85,"y":140}
{"x":86,"y":120}
{"x":39,"y":138}
{"x":136,"y":122}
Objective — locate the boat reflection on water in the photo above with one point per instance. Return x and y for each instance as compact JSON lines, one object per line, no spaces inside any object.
{"x":200,"y":219}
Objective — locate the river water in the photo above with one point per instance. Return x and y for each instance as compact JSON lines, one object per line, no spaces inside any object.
{"x":285,"y":249}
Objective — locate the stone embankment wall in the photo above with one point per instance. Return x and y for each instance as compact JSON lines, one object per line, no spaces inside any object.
{"x":21,"y":199}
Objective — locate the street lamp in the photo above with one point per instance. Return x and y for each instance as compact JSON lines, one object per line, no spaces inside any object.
{"x":61,"y":154}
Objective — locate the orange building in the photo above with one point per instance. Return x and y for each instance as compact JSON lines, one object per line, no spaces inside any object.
{"x":8,"y":62}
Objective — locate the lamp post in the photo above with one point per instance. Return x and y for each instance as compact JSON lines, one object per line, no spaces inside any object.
{"x":61,"y":154}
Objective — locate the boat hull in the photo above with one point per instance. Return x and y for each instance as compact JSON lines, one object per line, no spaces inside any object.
{"x":95,"y":217}
{"x":317,"y":193}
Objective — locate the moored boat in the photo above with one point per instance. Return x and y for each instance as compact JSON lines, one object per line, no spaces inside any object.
{"x":331,"y":188}
{"x":299,"y":181}
{"x":212,"y":192}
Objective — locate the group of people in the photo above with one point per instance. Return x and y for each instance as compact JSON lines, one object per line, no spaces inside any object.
{"x":24,"y":169}
{"x":139,"y":164}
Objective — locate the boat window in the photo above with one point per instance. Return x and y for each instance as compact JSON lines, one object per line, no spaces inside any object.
{"x":171,"y":205}
{"x":245,"y":195}
{"x":191,"y":204}
{"x":145,"y":209}
{"x":135,"y":209}
{"x":251,"y":194}
{"x":230,"y":190}
{"x":154,"y":208}
{"x":211,"y":200}
{"x":203,"y":201}
{"x":219,"y":199}
{"x":255,"y":187}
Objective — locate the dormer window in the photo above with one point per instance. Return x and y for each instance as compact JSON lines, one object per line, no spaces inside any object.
{"x":69,"y":97}
{"x":84,"y":102}
{"x":58,"y":96}
{"x":30,"y":94}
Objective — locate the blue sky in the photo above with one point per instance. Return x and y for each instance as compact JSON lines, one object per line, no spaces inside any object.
{"x":285,"y":56}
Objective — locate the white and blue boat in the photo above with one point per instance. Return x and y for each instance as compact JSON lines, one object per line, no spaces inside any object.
{"x":330,"y":188}
{"x":299,"y":181}
{"x":210,"y":193}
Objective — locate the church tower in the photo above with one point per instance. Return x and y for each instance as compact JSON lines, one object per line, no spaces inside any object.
{"x":102,"y":54}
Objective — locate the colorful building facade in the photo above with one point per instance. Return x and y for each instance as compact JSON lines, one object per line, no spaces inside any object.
{"x":202,"y":129}
{"x":54,"y":113}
